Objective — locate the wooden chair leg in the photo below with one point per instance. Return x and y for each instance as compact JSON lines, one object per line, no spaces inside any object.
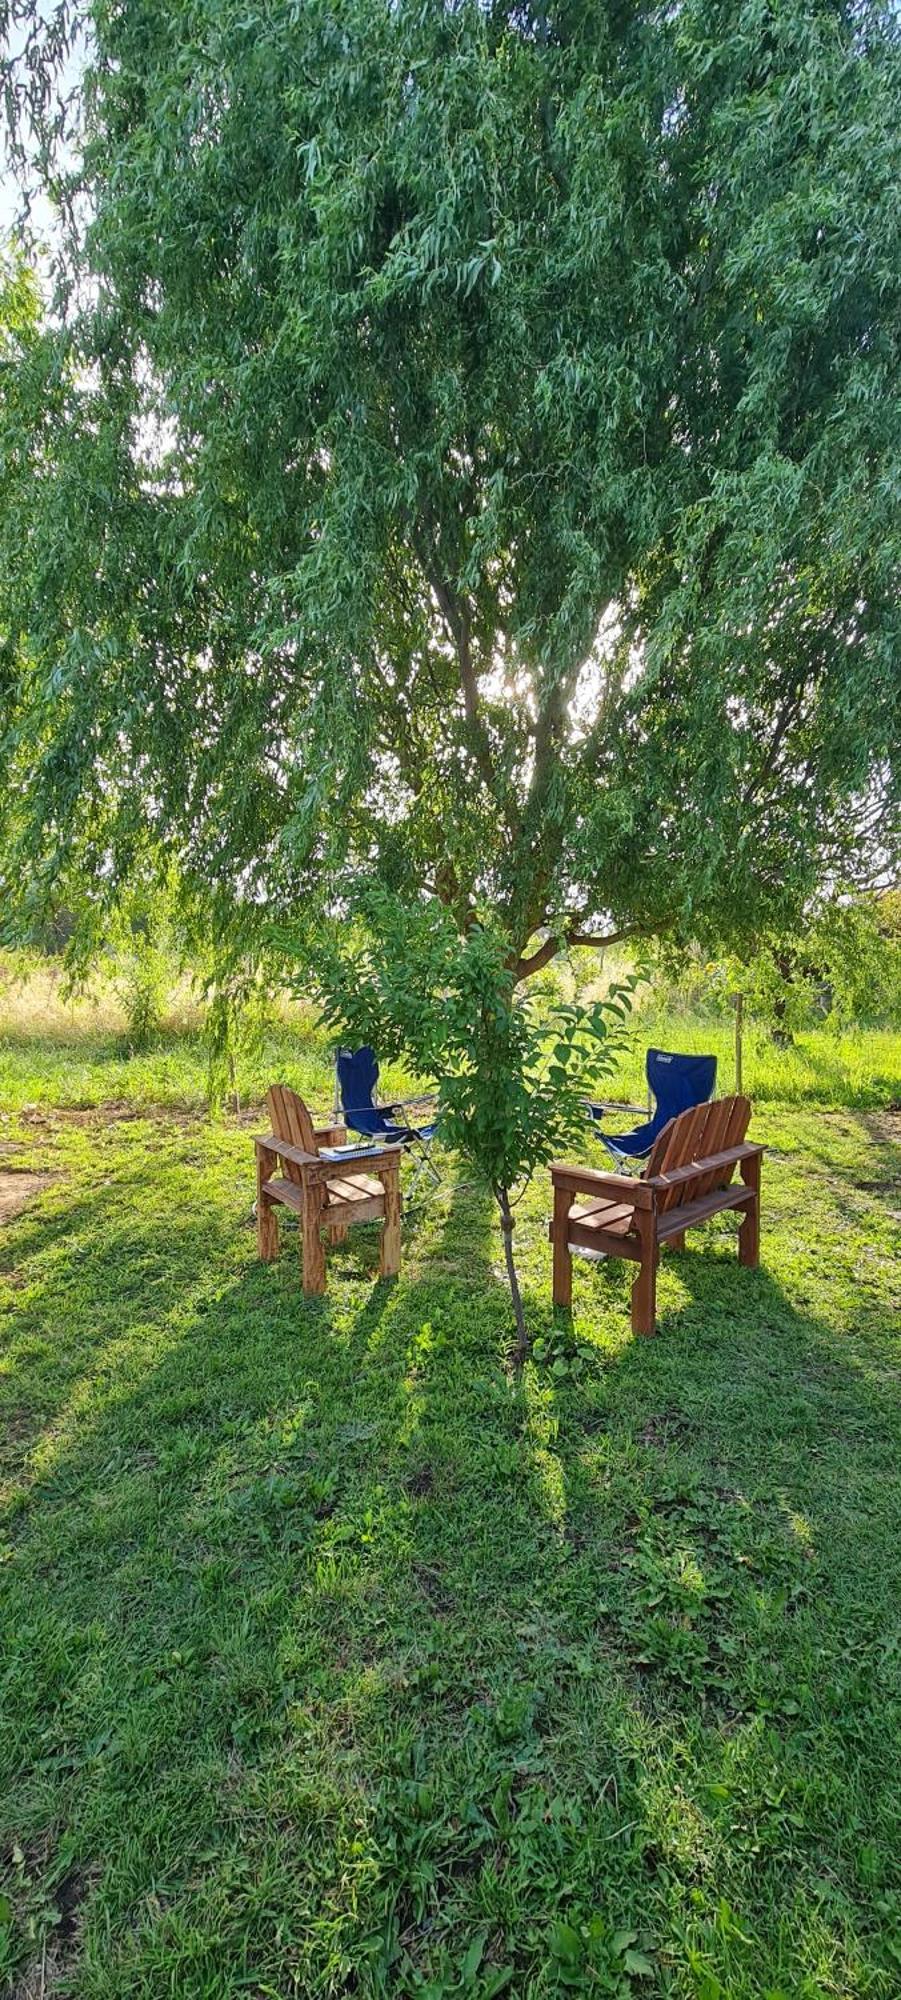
{"x":267,"y":1219}
{"x":389,"y":1245}
{"x":312,"y":1247}
{"x":644,"y":1298}
{"x":562,"y":1283}
{"x":337,"y":1231}
{"x":644,"y":1290}
{"x":267,"y":1229}
{"x":749,"y":1232}
{"x":676,"y":1242}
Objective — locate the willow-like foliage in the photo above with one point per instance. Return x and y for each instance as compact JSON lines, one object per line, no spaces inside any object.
{"x":460,"y":454}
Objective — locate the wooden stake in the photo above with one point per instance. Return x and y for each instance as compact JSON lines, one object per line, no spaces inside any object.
{"x":563,"y":1263}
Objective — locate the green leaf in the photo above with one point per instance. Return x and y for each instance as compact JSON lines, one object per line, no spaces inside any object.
{"x":566,"y":1943}
{"x":473,"y":1958}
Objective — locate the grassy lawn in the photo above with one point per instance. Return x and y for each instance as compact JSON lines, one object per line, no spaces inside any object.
{"x":336,"y":1662}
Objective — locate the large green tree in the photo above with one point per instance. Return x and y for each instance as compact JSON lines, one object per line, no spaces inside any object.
{"x":464,"y":457}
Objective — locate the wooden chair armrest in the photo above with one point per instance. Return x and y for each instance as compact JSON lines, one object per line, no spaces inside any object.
{"x":268,"y":1143}
{"x":731,"y":1158}
{"x":589,"y":1180}
{"x":330,"y":1135}
{"x":386,"y":1162}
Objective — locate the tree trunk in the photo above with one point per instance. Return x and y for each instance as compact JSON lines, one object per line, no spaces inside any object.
{"x":522,"y":1333}
{"x":781,"y":1032}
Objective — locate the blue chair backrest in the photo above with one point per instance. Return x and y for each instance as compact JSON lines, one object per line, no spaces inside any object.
{"x":679,"y":1082}
{"x":358,"y":1074}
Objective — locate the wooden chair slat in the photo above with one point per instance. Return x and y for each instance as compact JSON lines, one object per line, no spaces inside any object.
{"x":607,"y":1215}
{"x":734,"y":1126}
{"x":609,"y":1242}
{"x":708,"y":1138}
{"x":658,"y":1151}
{"x":691,"y":1212}
{"x":362,"y":1207}
{"x":739,"y":1120}
{"x":286,"y":1191}
{"x":351,"y":1190}
{"x":293,"y":1125}
{"x":616,"y":1222}
{"x":688,"y":1138}
{"x":672,"y":1146}
{"x":291,"y":1120}
{"x":715,"y":1128}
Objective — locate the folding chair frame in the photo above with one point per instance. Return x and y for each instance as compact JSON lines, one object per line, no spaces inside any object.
{"x":415,"y":1142}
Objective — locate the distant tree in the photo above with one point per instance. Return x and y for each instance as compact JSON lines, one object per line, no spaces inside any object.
{"x":843,"y":967}
{"x":839,"y":968}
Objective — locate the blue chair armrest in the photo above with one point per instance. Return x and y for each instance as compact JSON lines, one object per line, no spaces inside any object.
{"x":597,"y":1106}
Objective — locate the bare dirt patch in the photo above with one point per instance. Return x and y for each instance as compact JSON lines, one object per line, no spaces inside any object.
{"x":669,"y":1427}
{"x":886,"y":1125}
{"x":17,"y":1189}
{"x":51,"y":1973}
{"x":110,"y":1111}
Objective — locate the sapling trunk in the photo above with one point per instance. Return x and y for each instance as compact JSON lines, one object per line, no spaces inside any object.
{"x":522,"y":1333}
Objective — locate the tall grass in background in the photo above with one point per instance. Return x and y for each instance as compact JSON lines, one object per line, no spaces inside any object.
{"x":80,"y":1050}
{"x":826,"y":1062}
{"x":858,"y":1067}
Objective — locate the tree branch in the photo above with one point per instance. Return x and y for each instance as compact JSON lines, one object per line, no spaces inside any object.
{"x":524,"y":967}
{"x":789,"y":714}
{"x":593,"y":940}
{"x":456,"y":619}
{"x":598,"y":942}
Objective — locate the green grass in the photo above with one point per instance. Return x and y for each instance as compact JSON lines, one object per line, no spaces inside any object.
{"x":337,"y":1662}
{"x":88,"y":1067}
{"x":822,"y":1066}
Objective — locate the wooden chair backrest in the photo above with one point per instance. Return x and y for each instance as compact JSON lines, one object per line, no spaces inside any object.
{"x":291,"y":1120}
{"x":696,"y":1135}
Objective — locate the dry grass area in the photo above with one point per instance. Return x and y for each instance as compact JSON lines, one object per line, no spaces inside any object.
{"x":38,"y":1000}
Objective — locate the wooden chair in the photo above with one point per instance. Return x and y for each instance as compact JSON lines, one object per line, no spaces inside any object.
{"x":322,"y":1191}
{"x":688,"y":1178}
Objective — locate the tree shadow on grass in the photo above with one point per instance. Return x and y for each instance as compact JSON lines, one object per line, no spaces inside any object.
{"x":335,"y":1648}
{"x":247,"y":1447}
{"x":748,"y":1582}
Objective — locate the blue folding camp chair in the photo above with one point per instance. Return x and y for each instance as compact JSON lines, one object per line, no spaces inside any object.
{"x":677,"y":1083}
{"x":358,"y":1075}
